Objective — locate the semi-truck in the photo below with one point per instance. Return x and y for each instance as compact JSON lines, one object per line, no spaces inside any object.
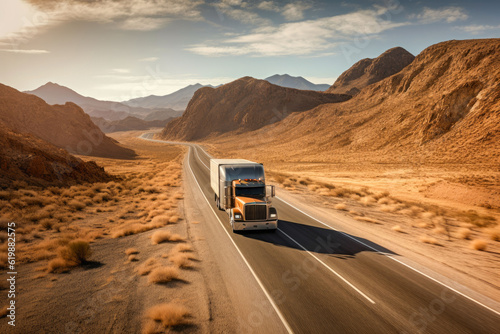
{"x":240,"y":190}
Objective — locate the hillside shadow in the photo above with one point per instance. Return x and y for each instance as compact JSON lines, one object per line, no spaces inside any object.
{"x":316,"y":239}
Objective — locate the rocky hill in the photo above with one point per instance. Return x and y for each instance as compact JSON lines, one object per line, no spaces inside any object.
{"x":66,"y":126}
{"x":444,"y":106}
{"x":24,"y":157}
{"x":285,"y":80}
{"x":368,"y":71}
{"x":127,"y":124}
{"x":243,"y":105}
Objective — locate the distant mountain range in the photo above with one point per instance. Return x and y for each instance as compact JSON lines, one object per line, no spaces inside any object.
{"x":285,"y":80}
{"x":177,"y":100}
{"x":53,"y":93}
{"x":126,"y":124}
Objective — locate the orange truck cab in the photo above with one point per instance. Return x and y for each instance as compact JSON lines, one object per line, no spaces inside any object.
{"x":240,"y":190}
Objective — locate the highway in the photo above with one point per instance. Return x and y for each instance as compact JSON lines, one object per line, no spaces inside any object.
{"x":321,"y":280}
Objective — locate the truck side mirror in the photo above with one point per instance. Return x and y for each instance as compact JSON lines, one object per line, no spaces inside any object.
{"x":228,"y":197}
{"x":270,"y":191}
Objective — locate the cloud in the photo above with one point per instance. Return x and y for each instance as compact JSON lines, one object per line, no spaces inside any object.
{"x":239,"y":11}
{"x":295,"y":11}
{"x":448,"y":14}
{"x":476,"y":28}
{"x":300,"y":38}
{"x":149,"y":59}
{"x":121,"y":70}
{"x":32,"y":52}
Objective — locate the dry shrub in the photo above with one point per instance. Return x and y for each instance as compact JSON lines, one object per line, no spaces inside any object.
{"x":3,"y":312}
{"x":161,"y":220}
{"x":429,"y":240}
{"x":48,"y":223}
{"x":130,"y":251}
{"x":422,"y":225}
{"x":132,"y":258}
{"x":182,"y":248}
{"x":439,"y":230}
{"x":340,"y":206}
{"x":368,"y":200}
{"x":406,"y":212}
{"x":160,"y":236}
{"x":368,"y":220}
{"x":173,"y":219}
{"x":464,"y":233}
{"x":479,"y":245}
{"x":168,"y":314}
{"x":385,"y":200}
{"x":58,"y":265}
{"x":76,"y":205}
{"x":76,"y":252}
{"x":181,"y":260}
{"x":397,"y":228}
{"x":163,"y":275}
{"x":494,"y":234}
{"x":146,"y":267}
{"x":5,"y":195}
{"x":388,"y":208}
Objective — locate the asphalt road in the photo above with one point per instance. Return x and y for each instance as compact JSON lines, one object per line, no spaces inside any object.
{"x":320,"y":280}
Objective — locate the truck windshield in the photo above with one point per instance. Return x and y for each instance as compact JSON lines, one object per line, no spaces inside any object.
{"x":254,"y":192}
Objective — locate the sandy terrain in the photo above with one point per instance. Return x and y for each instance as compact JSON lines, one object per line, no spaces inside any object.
{"x":436,"y":214}
{"x":143,"y":274}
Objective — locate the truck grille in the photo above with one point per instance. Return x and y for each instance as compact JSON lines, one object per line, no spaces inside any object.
{"x":255,"y":212}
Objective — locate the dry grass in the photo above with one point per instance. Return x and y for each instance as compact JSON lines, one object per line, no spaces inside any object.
{"x":479,"y":245}
{"x":76,"y":252}
{"x":76,"y":205}
{"x":58,"y":265}
{"x":439,"y":230}
{"x":146,"y":267}
{"x":130,"y":251}
{"x":429,"y":240}
{"x":181,"y":260}
{"x":397,"y":228}
{"x":464,"y":233}
{"x":132,"y":258}
{"x":168,"y":314}
{"x":494,"y":233}
{"x":182,"y":248}
{"x":163,"y":275}
{"x":161,"y":236}
{"x":341,"y":206}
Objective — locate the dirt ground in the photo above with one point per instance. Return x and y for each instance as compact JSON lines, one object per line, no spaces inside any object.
{"x":143,"y":274}
{"x":442,"y":215}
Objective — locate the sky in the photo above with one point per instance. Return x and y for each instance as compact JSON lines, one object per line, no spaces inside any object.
{"x":121,"y":49}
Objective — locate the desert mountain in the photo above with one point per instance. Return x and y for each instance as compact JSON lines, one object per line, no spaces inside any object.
{"x":56,"y":94}
{"x":286,"y":80}
{"x":24,"y":157}
{"x":243,"y":105}
{"x":162,"y":115}
{"x":65,"y":126}
{"x":444,"y":106}
{"x":177,"y":100}
{"x":127,"y":124}
{"x":368,"y":71}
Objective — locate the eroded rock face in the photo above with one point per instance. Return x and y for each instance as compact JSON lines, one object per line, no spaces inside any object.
{"x":368,"y":71}
{"x":243,"y":105}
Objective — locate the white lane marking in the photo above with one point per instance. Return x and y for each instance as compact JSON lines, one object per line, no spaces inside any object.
{"x":280,"y":315}
{"x":199,"y":159}
{"x":389,"y":256}
{"x":316,"y":258}
{"x":328,"y":267}
{"x":393,"y":258}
